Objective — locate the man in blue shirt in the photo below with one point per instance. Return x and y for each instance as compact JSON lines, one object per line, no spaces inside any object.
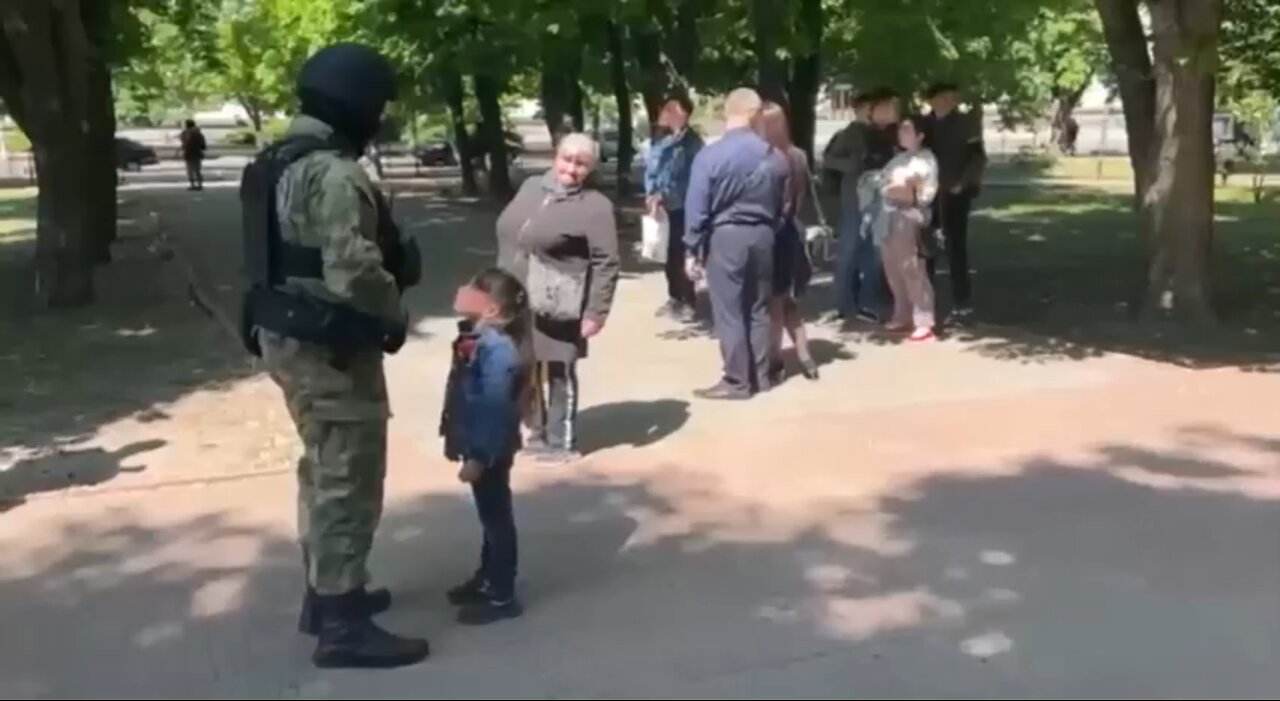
{"x":733,"y":207}
{"x":666,"y":180}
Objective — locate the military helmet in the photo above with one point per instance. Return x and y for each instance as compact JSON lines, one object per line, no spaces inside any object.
{"x":347,"y":86}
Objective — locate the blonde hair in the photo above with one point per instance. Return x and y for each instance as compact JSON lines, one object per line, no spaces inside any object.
{"x":742,"y":103}
{"x":579,"y":143}
{"x":774,"y":126}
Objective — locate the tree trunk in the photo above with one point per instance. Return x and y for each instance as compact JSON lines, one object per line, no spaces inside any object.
{"x":1064,"y":106}
{"x":554,"y":94}
{"x":622,"y":95}
{"x":653,"y":76}
{"x":454,"y":96}
{"x":683,"y":39}
{"x":577,"y":105}
{"x":489,"y":95}
{"x":771,"y":71}
{"x":100,"y":156}
{"x":47,"y":44}
{"x":1131,"y":62}
{"x":1181,"y":193}
{"x":806,"y":79}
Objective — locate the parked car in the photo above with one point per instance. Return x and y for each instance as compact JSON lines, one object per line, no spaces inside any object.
{"x":131,"y":155}
{"x":609,"y":142}
{"x":436,"y":153}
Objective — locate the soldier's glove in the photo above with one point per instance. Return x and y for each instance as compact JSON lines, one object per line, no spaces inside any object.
{"x":396,"y":336}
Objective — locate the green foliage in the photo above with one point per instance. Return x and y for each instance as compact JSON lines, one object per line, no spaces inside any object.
{"x":1250,"y":74}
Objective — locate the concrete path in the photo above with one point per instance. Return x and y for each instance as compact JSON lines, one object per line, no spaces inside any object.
{"x":955,"y":520}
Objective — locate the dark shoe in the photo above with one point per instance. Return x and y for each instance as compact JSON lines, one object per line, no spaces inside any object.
{"x":473,"y":591}
{"x":809,"y":369}
{"x":375,"y":601}
{"x":489,"y":611}
{"x":687,"y":315}
{"x":559,"y":456}
{"x":777,"y":373}
{"x":349,"y":639}
{"x":869,"y":317}
{"x":723,"y":391}
{"x":668,"y":310}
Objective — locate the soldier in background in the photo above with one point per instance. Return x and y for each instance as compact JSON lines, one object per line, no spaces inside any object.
{"x":327,"y":267}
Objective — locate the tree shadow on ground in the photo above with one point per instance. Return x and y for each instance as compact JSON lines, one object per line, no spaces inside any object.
{"x":633,"y":423}
{"x":139,"y":346}
{"x":67,"y":466}
{"x":1110,"y":576}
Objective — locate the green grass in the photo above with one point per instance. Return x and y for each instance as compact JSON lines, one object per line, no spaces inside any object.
{"x":1084,"y":168}
{"x":1066,"y":261}
{"x":17,"y":214}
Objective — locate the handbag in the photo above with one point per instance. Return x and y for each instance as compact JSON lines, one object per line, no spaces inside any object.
{"x":553,"y":293}
{"x":817,"y":239}
{"x":655,"y":233}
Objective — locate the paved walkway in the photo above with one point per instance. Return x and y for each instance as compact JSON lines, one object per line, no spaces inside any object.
{"x":943,"y":520}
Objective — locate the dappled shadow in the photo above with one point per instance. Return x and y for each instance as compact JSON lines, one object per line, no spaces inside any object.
{"x":1039,"y":578}
{"x":67,"y":467}
{"x":139,"y":346}
{"x":632,"y":423}
{"x":1057,"y":273}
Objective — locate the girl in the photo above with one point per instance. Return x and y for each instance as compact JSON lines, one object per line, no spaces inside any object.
{"x":910,"y":182}
{"x":484,"y":399}
{"x":791,"y":267}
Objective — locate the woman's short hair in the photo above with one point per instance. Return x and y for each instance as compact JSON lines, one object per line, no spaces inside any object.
{"x":579,"y":143}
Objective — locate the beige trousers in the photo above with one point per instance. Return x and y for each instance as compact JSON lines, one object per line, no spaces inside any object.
{"x":912,"y":292}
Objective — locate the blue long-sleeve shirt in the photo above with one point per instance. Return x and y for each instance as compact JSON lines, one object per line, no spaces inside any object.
{"x":739,"y":180}
{"x":667,"y":166}
{"x":481,"y":419}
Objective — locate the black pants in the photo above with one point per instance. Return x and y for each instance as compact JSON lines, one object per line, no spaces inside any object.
{"x":951,"y":212}
{"x":679,"y":286}
{"x":555,"y":416}
{"x":195,"y":173}
{"x":499,"y":554}
{"x":739,"y":280}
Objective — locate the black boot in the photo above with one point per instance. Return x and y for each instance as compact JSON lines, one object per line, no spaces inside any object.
{"x":375,"y":601}
{"x":349,"y":639}
{"x":473,"y":591}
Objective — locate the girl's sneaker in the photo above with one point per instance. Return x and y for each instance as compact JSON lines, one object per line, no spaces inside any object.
{"x":489,"y":611}
{"x":473,"y":591}
{"x":922,"y":333}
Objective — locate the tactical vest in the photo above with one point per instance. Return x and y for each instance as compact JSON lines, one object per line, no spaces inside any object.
{"x":269,"y":260}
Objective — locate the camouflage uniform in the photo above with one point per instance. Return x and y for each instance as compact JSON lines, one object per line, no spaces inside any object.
{"x":324,"y":249}
{"x":339,"y":404}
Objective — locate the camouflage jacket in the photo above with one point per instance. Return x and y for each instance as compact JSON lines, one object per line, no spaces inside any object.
{"x":326,"y":201}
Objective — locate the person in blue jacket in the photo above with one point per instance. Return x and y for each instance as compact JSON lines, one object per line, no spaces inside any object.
{"x":488,"y":385}
{"x":667,"y":167}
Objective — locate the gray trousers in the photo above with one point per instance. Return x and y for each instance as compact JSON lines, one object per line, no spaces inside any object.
{"x":739,"y":281}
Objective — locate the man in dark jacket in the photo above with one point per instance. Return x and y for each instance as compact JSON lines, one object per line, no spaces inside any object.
{"x":733,"y":207}
{"x":955,"y":138}
{"x":193,"y":148}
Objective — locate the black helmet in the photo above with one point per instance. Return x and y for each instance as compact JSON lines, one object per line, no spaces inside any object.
{"x":347,"y":86}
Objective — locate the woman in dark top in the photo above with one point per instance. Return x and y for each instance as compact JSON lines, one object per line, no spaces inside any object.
{"x":792,"y":269}
{"x":558,"y":236}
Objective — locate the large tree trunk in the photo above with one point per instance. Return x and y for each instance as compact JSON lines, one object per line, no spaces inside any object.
{"x":806,"y":78}
{"x":454,"y":97}
{"x":622,"y":95}
{"x":100,"y":155}
{"x":654,"y":84}
{"x":46,"y":45}
{"x":1181,"y":193}
{"x":766,"y":19}
{"x":1064,"y":106}
{"x":553,"y":91}
{"x":489,"y":95}
{"x":1131,"y":62}
{"x":683,"y":41}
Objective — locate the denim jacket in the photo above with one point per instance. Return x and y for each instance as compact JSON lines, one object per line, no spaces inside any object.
{"x":667,"y":166}
{"x":481,"y":417}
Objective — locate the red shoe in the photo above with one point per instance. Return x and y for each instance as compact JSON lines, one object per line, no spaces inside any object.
{"x":923,"y":333}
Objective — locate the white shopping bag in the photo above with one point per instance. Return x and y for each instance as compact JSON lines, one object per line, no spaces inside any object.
{"x":655,"y":230}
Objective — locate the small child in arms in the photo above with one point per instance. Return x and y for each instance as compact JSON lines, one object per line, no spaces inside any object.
{"x":481,"y":428}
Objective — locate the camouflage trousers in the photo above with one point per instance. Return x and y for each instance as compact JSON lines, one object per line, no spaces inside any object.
{"x":340,"y":409}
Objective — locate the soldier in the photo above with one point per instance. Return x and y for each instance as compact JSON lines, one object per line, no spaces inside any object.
{"x":326,"y":268}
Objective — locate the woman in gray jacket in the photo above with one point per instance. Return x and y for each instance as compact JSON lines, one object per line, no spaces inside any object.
{"x":559,"y":237}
